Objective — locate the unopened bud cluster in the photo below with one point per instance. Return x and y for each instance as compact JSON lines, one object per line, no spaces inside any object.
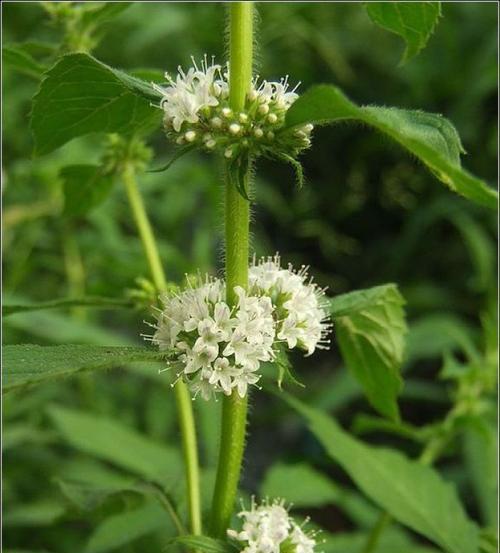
{"x":197,"y":112}
{"x":218,"y":348}
{"x":269,"y":528}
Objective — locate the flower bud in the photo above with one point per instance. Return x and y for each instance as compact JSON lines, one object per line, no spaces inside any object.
{"x":216,"y":122}
{"x":264,"y":109}
{"x":272,"y":118}
{"x":227,"y":112}
{"x":190,"y":136}
{"x":234,"y":128}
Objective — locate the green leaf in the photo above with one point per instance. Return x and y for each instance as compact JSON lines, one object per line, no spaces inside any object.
{"x":203,"y":543}
{"x":96,"y":15}
{"x":116,"y":443}
{"x":31,"y":364}
{"x":310,"y":487}
{"x":429,"y":137}
{"x":389,"y":542}
{"x":84,"y":187}
{"x":370,"y":328}
{"x":118,"y":530}
{"x":80,"y":95}
{"x":20,"y":60}
{"x":413,"y":21}
{"x":40,"y":513}
{"x":412,"y":493}
{"x":86,"y":301}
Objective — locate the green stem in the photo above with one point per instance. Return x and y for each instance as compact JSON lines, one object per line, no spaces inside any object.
{"x":237,"y":221}
{"x":373,"y":539}
{"x":183,"y":398}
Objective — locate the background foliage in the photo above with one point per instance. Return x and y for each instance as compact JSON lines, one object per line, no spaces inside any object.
{"x":367,"y":215}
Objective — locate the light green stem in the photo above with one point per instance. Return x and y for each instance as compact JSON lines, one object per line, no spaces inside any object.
{"x":182,"y":396}
{"x":237,"y":220}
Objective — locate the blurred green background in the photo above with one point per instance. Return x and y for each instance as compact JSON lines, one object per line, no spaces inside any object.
{"x":369,"y":214}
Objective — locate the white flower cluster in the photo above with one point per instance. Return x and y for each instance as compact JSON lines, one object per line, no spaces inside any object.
{"x":197,"y":112}
{"x":216,"y":348}
{"x":268,"y":528}
{"x":300,"y":310}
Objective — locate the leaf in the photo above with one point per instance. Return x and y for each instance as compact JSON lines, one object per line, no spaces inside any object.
{"x":412,"y":493}
{"x":20,"y":60}
{"x":177,"y":154}
{"x":43,"y":512}
{"x":310,"y":487}
{"x":434,"y":335}
{"x":96,"y":15}
{"x":119,"y":530}
{"x":389,"y":542}
{"x":80,"y":95}
{"x":428,"y":136}
{"x":370,"y":329}
{"x":116,"y":443}
{"x":86,"y":301}
{"x":413,"y":21}
{"x":84,"y":187}
{"x":203,"y":543}
{"x":31,"y":364}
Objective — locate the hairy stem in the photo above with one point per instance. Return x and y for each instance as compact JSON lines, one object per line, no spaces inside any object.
{"x":237,"y":219}
{"x":182,"y":396}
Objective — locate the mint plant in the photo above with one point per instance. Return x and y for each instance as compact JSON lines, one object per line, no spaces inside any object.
{"x":226,"y":339}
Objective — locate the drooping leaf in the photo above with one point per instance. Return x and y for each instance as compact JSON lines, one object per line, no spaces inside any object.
{"x":389,"y":542}
{"x":414,"y":22}
{"x":370,"y":328}
{"x":84,"y":187}
{"x":20,"y":60}
{"x":86,"y":301}
{"x":119,"y":530}
{"x":80,"y":95}
{"x":310,"y":487}
{"x":412,"y":493}
{"x":203,"y":543}
{"x":429,"y":137}
{"x":116,"y":443}
{"x":31,"y":364}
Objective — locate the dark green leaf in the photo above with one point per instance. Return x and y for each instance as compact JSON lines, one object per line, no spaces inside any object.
{"x":15,"y":57}
{"x":84,"y":187}
{"x":203,"y":543}
{"x":31,"y":364}
{"x":413,"y":21}
{"x":80,"y":95}
{"x":430,"y":137}
{"x":412,"y":493}
{"x":116,"y":443}
{"x":178,"y":154}
{"x":370,"y":328}
{"x":87,"y":301}
{"x":119,"y":530}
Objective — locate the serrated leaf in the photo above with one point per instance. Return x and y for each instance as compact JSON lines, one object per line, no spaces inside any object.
{"x":370,"y":328}
{"x":414,"y":494}
{"x":413,"y":21}
{"x":203,"y":543}
{"x":428,"y":136}
{"x":20,"y":60}
{"x":86,"y":301}
{"x":31,"y":364}
{"x":119,"y":530}
{"x":81,"y":95}
{"x":310,"y":487}
{"x":116,"y":443}
{"x":84,"y":187}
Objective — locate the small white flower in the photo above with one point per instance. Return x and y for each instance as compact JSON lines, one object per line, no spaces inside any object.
{"x":218,"y":349}
{"x":268,"y":527}
{"x":304,"y":321}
